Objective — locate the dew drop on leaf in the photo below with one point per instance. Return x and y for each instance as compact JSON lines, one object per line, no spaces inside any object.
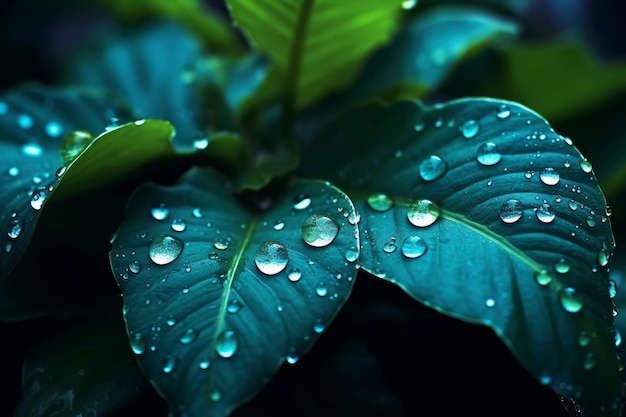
{"x":511,"y":211}
{"x":138,"y":343}
{"x":25,"y":121}
{"x":271,"y":257}
{"x":168,"y":364}
{"x":14,"y":229}
{"x":32,"y":149}
{"x":279,"y":225}
{"x":390,"y":246}
{"x":292,"y":356}
{"x":543,"y":277}
{"x":487,"y":154}
{"x":227,"y":344}
{"x":433,"y":168}
{"x":571,"y":300}
{"x":204,"y":363}
{"x":53,"y":129}
{"x":294,"y":275}
{"x":380,"y":202}
{"x":319,"y":230}
{"x":220,"y":244}
{"x":74,"y":144}
{"x":234,"y":306}
{"x":503,"y":111}
{"x":301,"y":202}
{"x":352,"y":254}
{"x":561,"y":266}
{"x":413,"y":247}
{"x":603,"y":257}
{"x":423,"y":213}
{"x":585,"y":166}
{"x":188,"y":336}
{"x":545,"y":213}
{"x":134,"y":267}
{"x":179,"y":225}
{"x":161,"y":212}
{"x":549,"y":176}
{"x":321,"y":289}
{"x":165,"y":249}
{"x":469,"y":129}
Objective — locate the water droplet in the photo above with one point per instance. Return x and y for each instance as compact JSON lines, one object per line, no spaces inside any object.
{"x":134,"y":267}
{"x":545,"y":213}
{"x":390,"y":246}
{"x":469,"y":129}
{"x":301,"y":202}
{"x":583,"y":339}
{"x":161,"y":212}
{"x":585,"y":166}
{"x":165,"y":249}
{"x":545,"y":379}
{"x":543,"y":277}
{"x":14,"y":171}
{"x":74,"y":144}
{"x":271,"y":257}
{"x":25,"y":121}
{"x":200,"y":143}
{"x":179,"y":225}
{"x":138,"y":343}
{"x":216,"y":396}
{"x":189,"y":336}
{"x":487,"y":154}
{"x":612,"y":288}
{"x":432,"y":168}
{"x":561,"y":266}
{"x":319,"y":230}
{"x":292,"y":356}
{"x":171,"y":320}
{"x":549,"y":176}
{"x":423,"y":213}
{"x":380,"y":202}
{"x":38,"y":198}
{"x":294,"y":275}
{"x":603,"y":257}
{"x":279,"y":225}
{"x":234,"y":306}
{"x":32,"y":149}
{"x":503,"y":111}
{"x":318,"y":326}
{"x":197,"y":213}
{"x":321,"y":289}
{"x":227,"y":344}
{"x":573,"y":205}
{"x":591,"y":221}
{"x":15,"y":228}
{"x":490,"y":302}
{"x":413,"y":247}
{"x":221,"y":244}
{"x":352,"y":254}
{"x":204,"y":363}
{"x":419,"y":126}
{"x":571,"y":300}
{"x":4,"y":108}
{"x":168,"y":364}
{"x":53,"y":129}
{"x":618,"y":338}
{"x":511,"y":211}
{"x":409,"y":4}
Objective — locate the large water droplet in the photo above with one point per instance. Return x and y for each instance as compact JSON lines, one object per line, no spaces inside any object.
{"x":138,"y":343}
{"x":188,"y":336}
{"x":380,"y":202}
{"x":487,"y":154}
{"x":545,"y":213}
{"x":271,"y":257}
{"x":413,"y":247}
{"x":294,"y":275}
{"x":432,"y":168}
{"x":511,"y":211}
{"x":571,"y":300}
{"x":543,"y":277}
{"x":319,"y":230}
{"x":161,"y":212}
{"x":549,"y":176}
{"x":423,"y":213}
{"x":470,"y":129}
{"x":301,"y":202}
{"x":165,"y":249}
{"x":227,"y":344}
{"x":74,"y":144}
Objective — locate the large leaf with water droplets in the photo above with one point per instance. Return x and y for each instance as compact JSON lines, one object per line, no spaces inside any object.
{"x":480,"y":210}
{"x":219,"y":293}
{"x":316,"y":46}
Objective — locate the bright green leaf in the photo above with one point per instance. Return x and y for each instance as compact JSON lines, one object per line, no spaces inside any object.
{"x":217,"y":296}
{"x":316,"y":46}
{"x":477,"y":208}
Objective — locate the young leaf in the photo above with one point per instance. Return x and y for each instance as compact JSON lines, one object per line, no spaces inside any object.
{"x":480,"y":210}
{"x":217,"y":295}
{"x":316,"y":46}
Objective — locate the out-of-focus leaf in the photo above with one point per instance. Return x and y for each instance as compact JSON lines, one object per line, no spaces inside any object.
{"x":477,"y":208}
{"x":217,"y":294}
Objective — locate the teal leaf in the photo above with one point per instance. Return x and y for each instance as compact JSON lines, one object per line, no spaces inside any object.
{"x":479,"y":209}
{"x":316,"y":46}
{"x":34,"y":120}
{"x":218,"y":294}
{"x":87,"y":370}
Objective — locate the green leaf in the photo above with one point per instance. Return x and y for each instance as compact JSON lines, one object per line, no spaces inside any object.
{"x":316,"y":47}
{"x":477,"y":208}
{"x":88,"y":370}
{"x":218,"y":294}
{"x":34,"y":119}
{"x":558,"y":79}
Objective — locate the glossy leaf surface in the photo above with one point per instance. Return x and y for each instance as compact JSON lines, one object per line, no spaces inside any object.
{"x":480,"y":210}
{"x":217,"y":295}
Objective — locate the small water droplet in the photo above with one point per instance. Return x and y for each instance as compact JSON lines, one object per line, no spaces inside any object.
{"x":528,"y":175}
{"x":571,"y":300}
{"x":390,"y":246}
{"x":543,"y":277}
{"x":200,"y":143}
{"x":221,"y":244}
{"x":561,"y":266}
{"x":204,"y":363}
{"x":188,"y":336}
{"x":591,"y":221}
{"x":319,"y":230}
{"x":321,"y":289}
{"x":292,"y":356}
{"x":413,"y":247}
{"x":603,"y":257}
{"x":165,"y":249}
{"x":279,"y":225}
{"x":234,"y":306}
{"x":161,"y":212}
{"x":490,"y":302}
{"x":15,"y":228}
{"x":511,"y":211}
{"x":227,"y":344}
{"x":545,"y":213}
{"x":168,"y":364}
{"x":423,"y":213}
{"x":573,"y":205}
{"x":14,"y":171}
{"x":271,"y":257}
{"x":433,"y":168}
{"x":74,"y":144}
{"x":138,"y":343}
{"x":179,"y":225}
{"x":171,"y":320}
{"x":352,"y":254}
{"x":216,"y":396}
{"x":419,"y":126}
{"x":301,"y":202}
{"x":32,"y":149}
{"x":585,"y":166}
{"x":612,"y":288}
{"x":549,"y":176}
{"x":487,"y":154}
{"x":318,"y":326}
{"x":469,"y":129}
{"x":134,"y":267}
{"x":53,"y":129}
{"x":583,"y":339}
{"x":197,"y":213}
{"x":294,"y":275}
{"x":503,"y":112}
{"x":380,"y":202}
{"x":25,"y":121}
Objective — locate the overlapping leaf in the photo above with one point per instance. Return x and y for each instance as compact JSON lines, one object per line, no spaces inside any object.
{"x":479,"y":209}
{"x":218,"y":294}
